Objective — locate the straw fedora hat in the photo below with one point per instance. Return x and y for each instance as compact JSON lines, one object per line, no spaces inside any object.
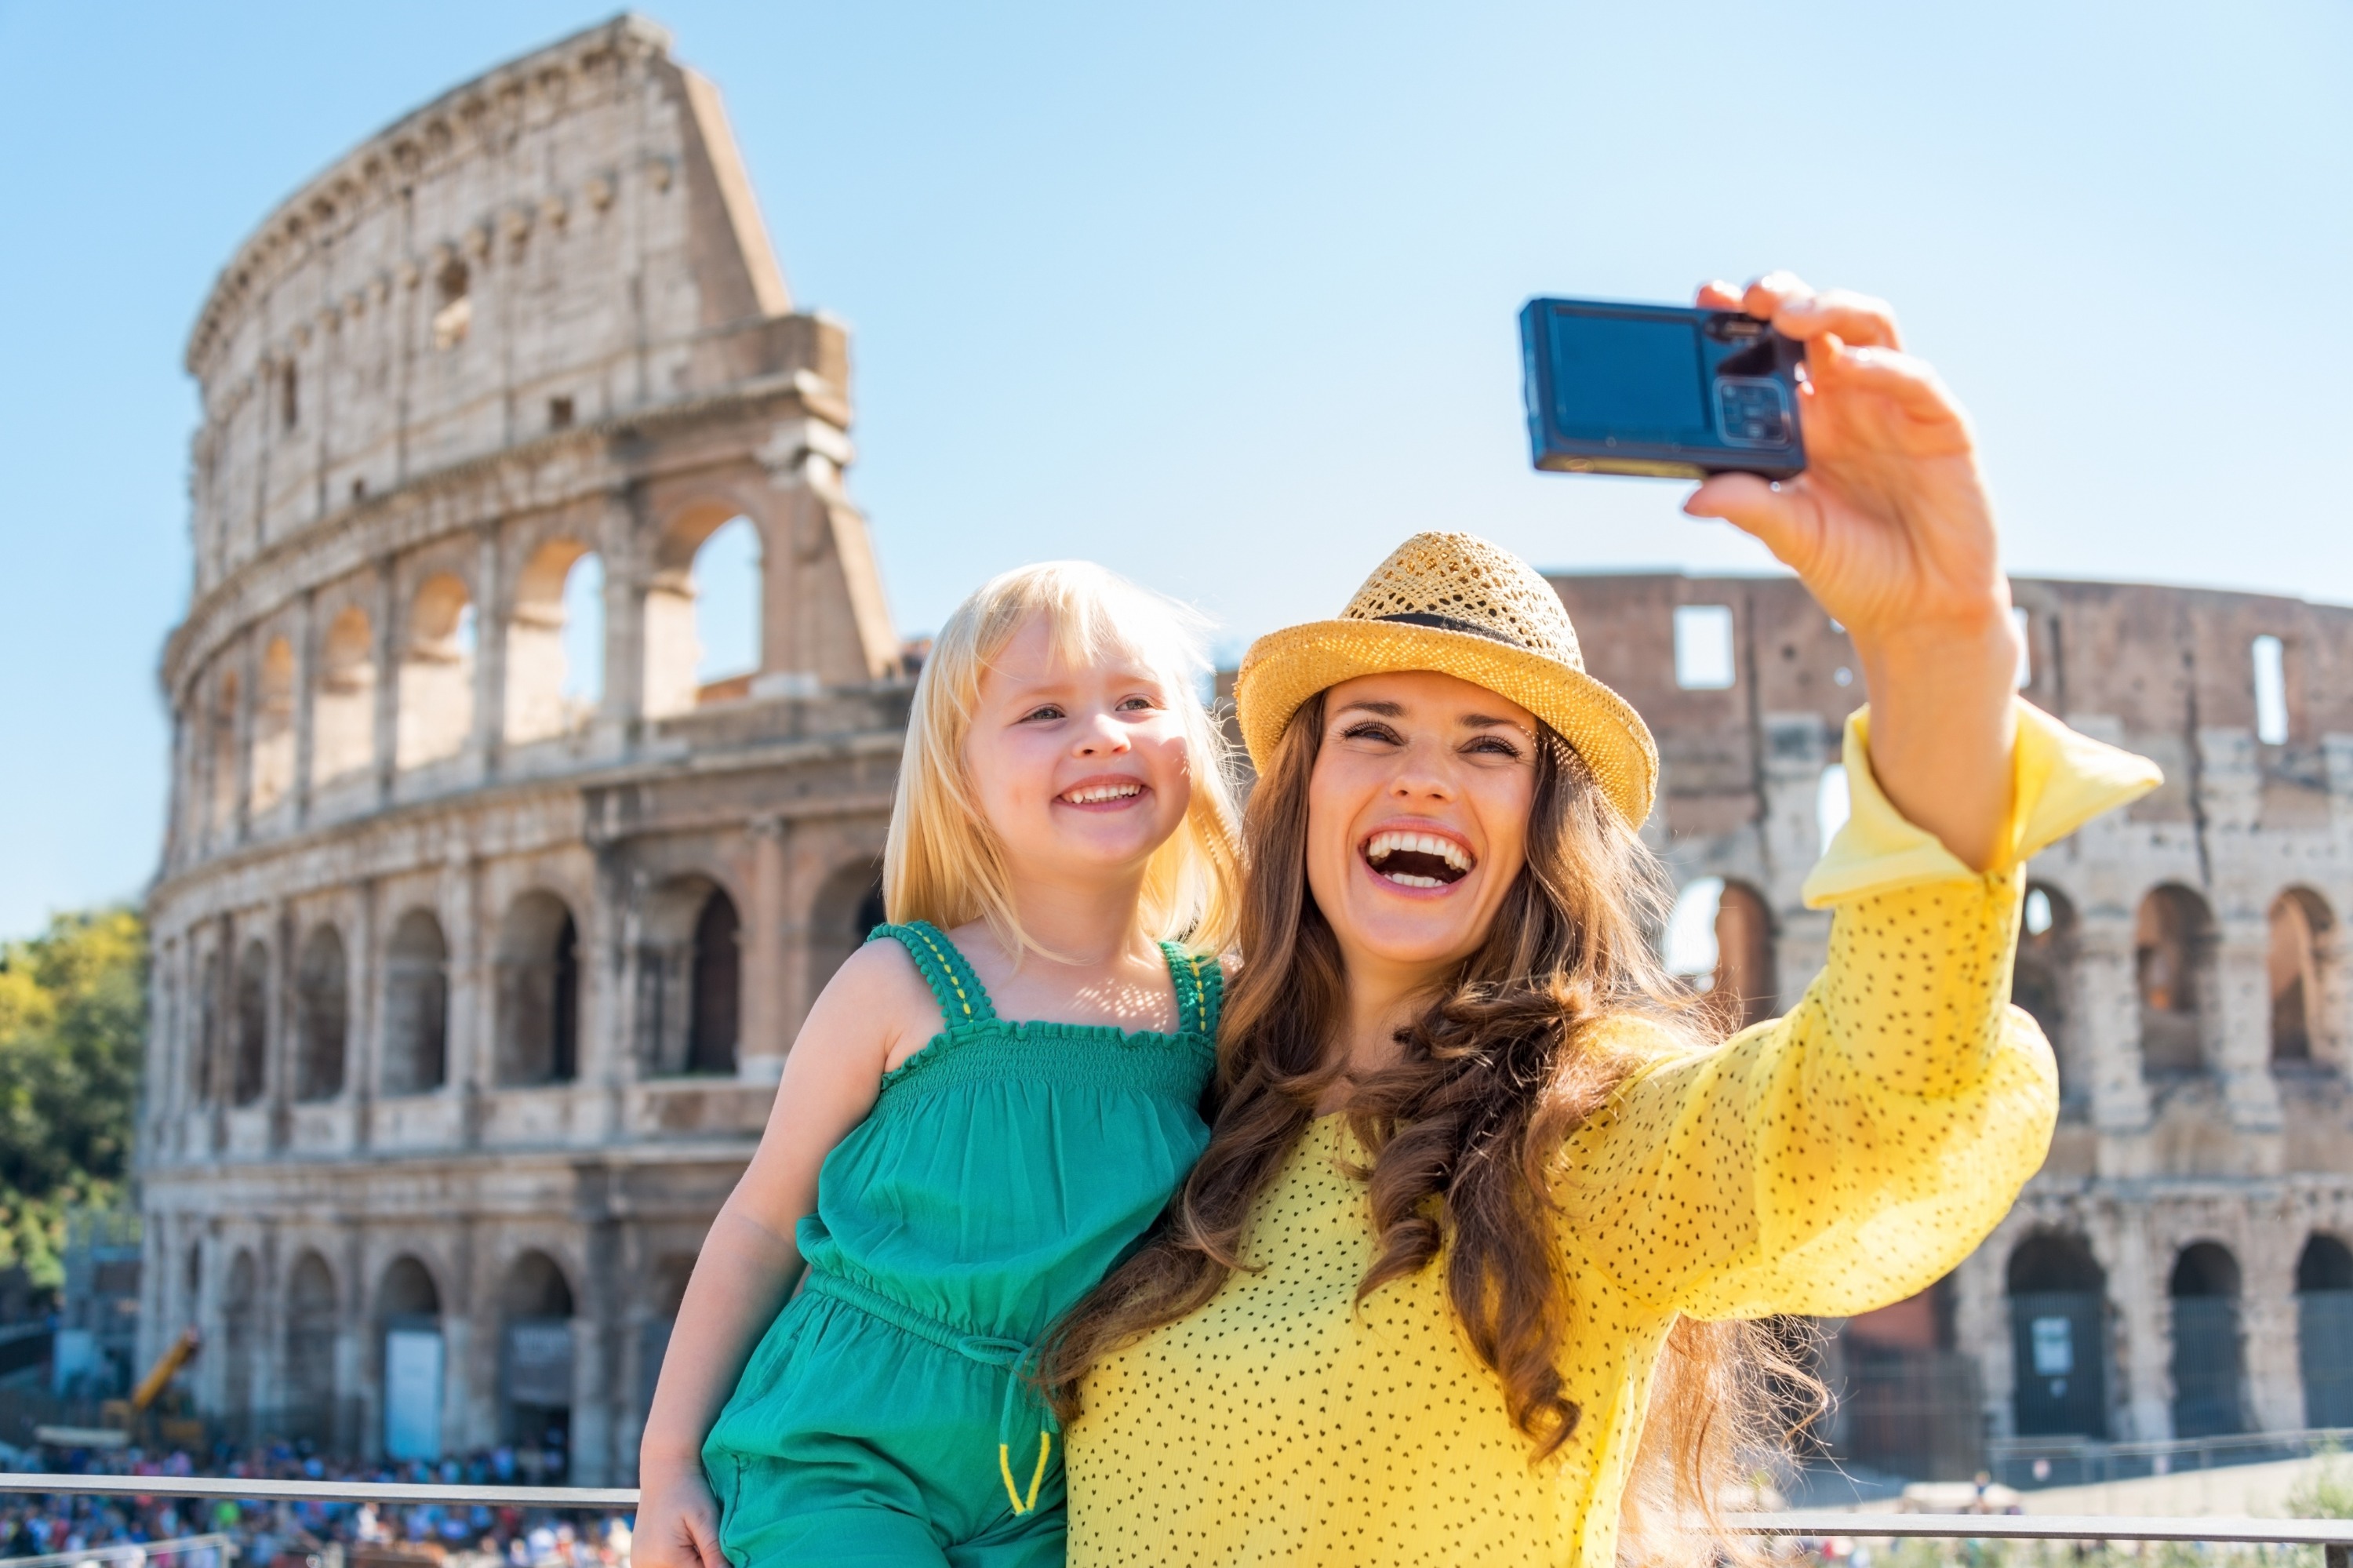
{"x":1466,"y":608}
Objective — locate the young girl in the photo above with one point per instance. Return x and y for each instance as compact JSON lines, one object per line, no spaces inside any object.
{"x":942,"y":1181}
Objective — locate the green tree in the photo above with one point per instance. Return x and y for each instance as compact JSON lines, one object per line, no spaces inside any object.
{"x":73,"y":1023}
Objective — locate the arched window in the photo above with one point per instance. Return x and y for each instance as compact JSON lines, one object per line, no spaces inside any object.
{"x":2059,"y":1337}
{"x":555,"y":644}
{"x":436,"y":673}
{"x":539,"y":992}
{"x":273,"y":726}
{"x":408,"y":1321}
{"x":342,"y":711}
{"x":1719,"y":938}
{"x":237,"y":1316}
{"x":321,"y":1016}
{"x":703,"y":613}
{"x":311,"y":1351}
{"x":252,"y":1066}
{"x":2300,"y":920}
{"x":848,"y":906}
{"x":2208,"y":1363}
{"x":2042,"y":975}
{"x":535,"y":1375}
{"x":718,"y":988}
{"x":2324,"y":1303}
{"x":2173,"y":940}
{"x":416,"y":1005}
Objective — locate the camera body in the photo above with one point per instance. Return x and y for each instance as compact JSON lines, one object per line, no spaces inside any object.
{"x":1661,"y":390}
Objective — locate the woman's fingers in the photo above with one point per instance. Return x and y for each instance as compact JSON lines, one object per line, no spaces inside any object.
{"x":1719,"y":295}
{"x":1910,"y":384}
{"x":1781,"y":517}
{"x":1857,"y":318}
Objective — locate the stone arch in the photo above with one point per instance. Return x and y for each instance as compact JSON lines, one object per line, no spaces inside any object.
{"x":273,"y":726}
{"x":322,"y":1015}
{"x":2208,"y":1361}
{"x":690,"y":978}
{"x":538,"y":991}
{"x":675,"y":676}
{"x":2296,"y":965}
{"x":2173,"y":955}
{"x":436,"y":672}
{"x":2042,"y":975}
{"x":409,"y":1368}
{"x":848,"y":905}
{"x":416,"y":1005}
{"x":343,"y":708}
{"x":249,"y":1071}
{"x":546,"y":696}
{"x":2059,"y":1332}
{"x":240,"y":1303}
{"x":2324,"y":1311}
{"x":311,"y":1314}
{"x":535,"y":1310}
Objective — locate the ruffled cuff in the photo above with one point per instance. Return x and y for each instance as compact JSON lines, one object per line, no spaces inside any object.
{"x":2062,"y":779}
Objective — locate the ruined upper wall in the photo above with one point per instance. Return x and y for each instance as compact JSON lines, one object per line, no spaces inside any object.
{"x":2167,"y":671}
{"x":566,"y":238}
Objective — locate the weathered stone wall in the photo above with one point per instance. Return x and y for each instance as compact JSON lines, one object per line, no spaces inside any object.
{"x":457,"y":979}
{"x":2218,"y":1116}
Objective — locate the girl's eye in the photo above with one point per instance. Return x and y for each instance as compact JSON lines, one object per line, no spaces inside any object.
{"x":1370,"y":729}
{"x":1138,"y":705}
{"x":1045,"y":711}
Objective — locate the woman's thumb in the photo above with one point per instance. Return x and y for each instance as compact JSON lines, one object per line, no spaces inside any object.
{"x":1772,"y":512}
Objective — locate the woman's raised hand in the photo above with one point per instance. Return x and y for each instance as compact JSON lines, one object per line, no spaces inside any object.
{"x":1891,"y":529}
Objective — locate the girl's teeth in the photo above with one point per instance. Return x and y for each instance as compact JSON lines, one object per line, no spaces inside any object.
{"x":1092,"y":794}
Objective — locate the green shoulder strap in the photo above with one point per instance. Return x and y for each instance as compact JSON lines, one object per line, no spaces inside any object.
{"x":954,"y":985}
{"x":1200,"y":986}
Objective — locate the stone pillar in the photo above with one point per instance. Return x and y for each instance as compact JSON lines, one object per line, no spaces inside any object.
{"x":365,"y":994}
{"x":492,"y":620}
{"x":390,"y":642}
{"x":767,"y":972}
{"x":278,"y":1061}
{"x":306,"y":681}
{"x":2136,"y":1286}
{"x":1981,"y":1322}
{"x":2104,"y":1017}
{"x":2243,"y":1040}
{"x":596,"y":1329}
{"x":248,"y":674}
{"x":626,"y":570}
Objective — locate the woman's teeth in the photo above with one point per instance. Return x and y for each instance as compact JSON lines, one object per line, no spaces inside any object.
{"x":1089,"y":794}
{"x":1417,"y":860}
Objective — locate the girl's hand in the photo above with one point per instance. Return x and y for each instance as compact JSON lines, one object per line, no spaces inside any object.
{"x":1891,"y":529}
{"x":678,"y":1519}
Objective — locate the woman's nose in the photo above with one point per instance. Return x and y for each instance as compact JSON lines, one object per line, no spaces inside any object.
{"x":1421,"y":776}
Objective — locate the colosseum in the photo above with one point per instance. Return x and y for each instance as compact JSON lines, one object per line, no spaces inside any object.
{"x":488,"y":904}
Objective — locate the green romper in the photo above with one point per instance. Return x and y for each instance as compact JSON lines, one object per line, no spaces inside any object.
{"x":888,"y":1415}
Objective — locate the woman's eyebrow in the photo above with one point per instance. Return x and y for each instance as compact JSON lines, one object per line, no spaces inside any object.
{"x":1492,"y":721}
{"x":1375,"y":705}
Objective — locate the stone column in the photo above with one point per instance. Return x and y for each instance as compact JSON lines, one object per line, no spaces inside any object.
{"x":767,"y":974}
{"x":278,"y":1061}
{"x":492,"y":620}
{"x":2104,"y":1016}
{"x":596,"y":1329}
{"x":306,"y":680}
{"x":626,"y":569}
{"x":2243,"y":1040}
{"x":365,"y":994}
{"x":2136,"y":1285}
{"x":389,"y":643}
{"x":249,"y":675}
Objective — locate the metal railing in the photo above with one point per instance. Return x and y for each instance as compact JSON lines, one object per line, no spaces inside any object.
{"x":2334,"y":1536}
{"x":137,"y":1553}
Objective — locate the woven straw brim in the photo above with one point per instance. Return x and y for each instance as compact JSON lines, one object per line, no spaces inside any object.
{"x":1285,"y":668}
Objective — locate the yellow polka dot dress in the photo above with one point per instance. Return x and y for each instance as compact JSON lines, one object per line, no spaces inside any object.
{"x":1830,"y":1162}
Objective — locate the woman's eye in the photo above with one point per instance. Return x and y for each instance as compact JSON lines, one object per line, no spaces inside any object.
{"x":1494,"y":745}
{"x":1368,"y":730}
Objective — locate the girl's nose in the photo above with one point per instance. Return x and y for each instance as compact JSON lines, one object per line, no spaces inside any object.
{"x":1099,"y":736}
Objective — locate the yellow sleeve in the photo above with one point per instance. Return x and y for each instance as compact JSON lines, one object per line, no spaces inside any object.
{"x":1850,"y":1153}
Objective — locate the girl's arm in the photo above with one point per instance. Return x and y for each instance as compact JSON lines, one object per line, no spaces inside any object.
{"x":875,"y":1012}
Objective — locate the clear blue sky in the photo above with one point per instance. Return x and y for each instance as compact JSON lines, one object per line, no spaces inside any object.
{"x":1223,"y":294}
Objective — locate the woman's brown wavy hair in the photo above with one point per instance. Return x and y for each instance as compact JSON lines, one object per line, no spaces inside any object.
{"x":1495,"y":1074}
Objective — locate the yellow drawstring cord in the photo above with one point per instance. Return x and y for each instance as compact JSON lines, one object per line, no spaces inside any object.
{"x":1036,"y":1477}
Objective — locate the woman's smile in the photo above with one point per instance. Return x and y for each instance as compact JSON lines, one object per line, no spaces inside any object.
{"x":1420,"y":857}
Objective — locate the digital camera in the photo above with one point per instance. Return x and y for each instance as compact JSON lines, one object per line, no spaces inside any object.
{"x":1664,"y":390}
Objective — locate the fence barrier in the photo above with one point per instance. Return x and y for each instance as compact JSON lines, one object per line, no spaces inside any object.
{"x":137,"y":1552}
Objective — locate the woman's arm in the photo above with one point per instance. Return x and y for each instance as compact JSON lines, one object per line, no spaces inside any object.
{"x":1891,"y":529}
{"x":749,"y":1261}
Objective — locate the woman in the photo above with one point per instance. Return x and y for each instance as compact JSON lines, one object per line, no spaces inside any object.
{"x":1439,"y":1290}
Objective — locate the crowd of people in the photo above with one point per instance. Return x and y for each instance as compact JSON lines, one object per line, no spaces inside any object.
{"x":304,"y":1534}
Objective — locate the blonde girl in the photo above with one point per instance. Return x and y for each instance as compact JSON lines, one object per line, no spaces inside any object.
{"x":942,"y":1181}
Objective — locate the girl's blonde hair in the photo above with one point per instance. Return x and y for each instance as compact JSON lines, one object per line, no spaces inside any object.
{"x":944,"y":864}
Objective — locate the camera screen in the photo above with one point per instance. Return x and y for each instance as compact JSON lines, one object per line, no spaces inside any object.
{"x":1629,"y":376}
